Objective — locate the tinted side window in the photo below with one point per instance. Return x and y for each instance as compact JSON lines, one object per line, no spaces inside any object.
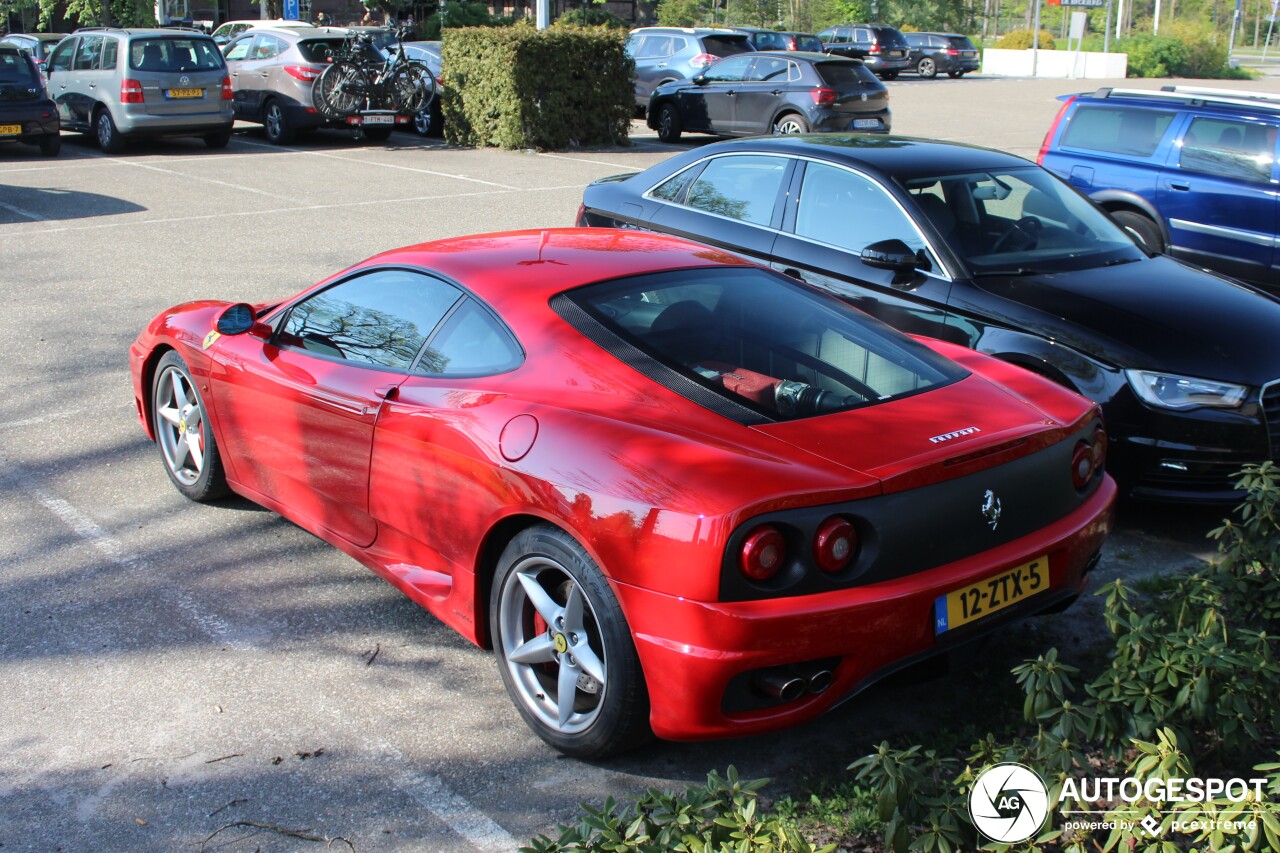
{"x":381,"y":318}
{"x":471,"y":342}
{"x":770,"y":69}
{"x":87,"y":54}
{"x":673,"y":188}
{"x":1118,"y":130}
{"x":729,"y":70}
{"x":110,"y":50}
{"x":739,"y":187}
{"x":1233,"y":149}
{"x":61,"y":59}
{"x":845,"y":209}
{"x":239,"y":49}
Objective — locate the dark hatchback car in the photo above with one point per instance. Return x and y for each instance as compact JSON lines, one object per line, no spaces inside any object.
{"x":884,"y":50}
{"x":989,"y":251}
{"x":772,"y":91}
{"x":781,"y":40}
{"x":38,"y":45}
{"x":941,"y":53}
{"x":27,"y":114}
{"x":665,"y":54}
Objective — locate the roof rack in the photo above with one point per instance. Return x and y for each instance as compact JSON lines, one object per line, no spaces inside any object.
{"x":1192,"y":94}
{"x":100,"y":30}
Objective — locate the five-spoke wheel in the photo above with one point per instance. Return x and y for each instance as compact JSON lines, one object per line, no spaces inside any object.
{"x":184,"y":433}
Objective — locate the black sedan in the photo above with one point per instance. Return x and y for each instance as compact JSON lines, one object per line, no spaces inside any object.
{"x":987,"y":250}
{"x":26,"y":112}
{"x":772,"y":91}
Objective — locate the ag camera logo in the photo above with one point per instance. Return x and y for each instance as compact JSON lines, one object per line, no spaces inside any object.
{"x":1008,"y":803}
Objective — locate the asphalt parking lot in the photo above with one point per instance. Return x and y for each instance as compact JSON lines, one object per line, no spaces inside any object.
{"x":170,"y":671}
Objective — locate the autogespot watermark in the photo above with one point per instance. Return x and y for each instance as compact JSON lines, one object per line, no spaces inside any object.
{"x":1009,"y":802}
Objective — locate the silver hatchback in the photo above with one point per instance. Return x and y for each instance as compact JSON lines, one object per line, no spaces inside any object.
{"x":120,"y":83}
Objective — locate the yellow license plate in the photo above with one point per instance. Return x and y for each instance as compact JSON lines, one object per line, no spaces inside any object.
{"x":186,"y":93}
{"x":10,"y":129}
{"x":973,"y":602}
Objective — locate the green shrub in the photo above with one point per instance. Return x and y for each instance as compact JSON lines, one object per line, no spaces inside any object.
{"x":590,"y":16}
{"x":459,"y":15}
{"x":721,"y":815}
{"x":1154,"y":56}
{"x":1021,"y":40}
{"x":517,"y":87}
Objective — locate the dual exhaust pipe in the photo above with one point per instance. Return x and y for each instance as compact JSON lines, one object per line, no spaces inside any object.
{"x":787,"y":684}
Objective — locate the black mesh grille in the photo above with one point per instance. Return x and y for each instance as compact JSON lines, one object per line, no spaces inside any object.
{"x":1271,"y":414}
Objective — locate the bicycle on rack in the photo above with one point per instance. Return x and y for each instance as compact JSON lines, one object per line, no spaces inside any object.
{"x":355,"y":81}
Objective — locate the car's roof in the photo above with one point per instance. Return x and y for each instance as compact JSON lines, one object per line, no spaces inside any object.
{"x":36,"y":36}
{"x":510,"y":269}
{"x":146,"y":32}
{"x":899,"y":156}
{"x":1188,"y":97}
{"x":692,"y":31}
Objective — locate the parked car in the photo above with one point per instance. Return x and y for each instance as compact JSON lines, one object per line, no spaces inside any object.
{"x":674,"y":491}
{"x":781,"y":40}
{"x":772,"y":91}
{"x":987,"y":250}
{"x":666,"y":54}
{"x":272,"y":72}
{"x":120,"y":84}
{"x":429,"y":122}
{"x":880,"y":46}
{"x":1188,"y":171}
{"x":27,"y":114}
{"x":37,"y":45}
{"x":228,"y":31}
{"x":949,"y":53}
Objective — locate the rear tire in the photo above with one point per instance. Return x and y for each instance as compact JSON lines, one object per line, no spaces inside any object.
{"x":50,"y":145}
{"x":955,"y":75}
{"x":109,"y":137}
{"x":669,"y":124}
{"x":1145,"y":232}
{"x":790,"y":123}
{"x":927,"y":68}
{"x":276,"y":124}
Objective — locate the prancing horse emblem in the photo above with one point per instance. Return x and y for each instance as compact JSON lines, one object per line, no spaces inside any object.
{"x":991,"y":508}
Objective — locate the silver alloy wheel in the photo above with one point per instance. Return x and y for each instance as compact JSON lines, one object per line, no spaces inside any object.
{"x":667,"y":120}
{"x":927,"y":68}
{"x":275,"y":121}
{"x":422,"y":122}
{"x":180,"y":426}
{"x":106,"y":131}
{"x":790,"y":124}
{"x":551,"y":645}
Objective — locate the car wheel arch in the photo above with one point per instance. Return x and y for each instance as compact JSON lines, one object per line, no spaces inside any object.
{"x":1039,"y":367}
{"x":148,"y":380}
{"x":1115,"y":201}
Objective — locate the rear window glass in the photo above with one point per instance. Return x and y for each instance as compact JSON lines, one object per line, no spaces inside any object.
{"x":757,"y":339}
{"x":725,"y":45}
{"x":889,"y":37}
{"x":1117,"y":130}
{"x":174,"y":54}
{"x":812,"y":43}
{"x":961,"y":43}
{"x":15,"y":69}
{"x":839,"y":75}
{"x":318,"y":50}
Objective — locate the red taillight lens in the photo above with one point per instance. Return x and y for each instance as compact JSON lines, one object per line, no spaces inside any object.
{"x":130,"y":92}
{"x":835,"y":545}
{"x":1082,"y":464}
{"x":702,"y":60}
{"x":1099,"y":447}
{"x":763,"y":554}
{"x":953,"y":52}
{"x":875,"y":48}
{"x":791,"y":44}
{"x":302,"y":72}
{"x":823,"y":96}
{"x":1053,"y":129}
{"x":228,"y":93}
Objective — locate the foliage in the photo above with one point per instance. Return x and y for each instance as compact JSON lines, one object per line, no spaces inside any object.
{"x":91,"y":13}
{"x":684,"y":13}
{"x":458,"y":15}
{"x":1192,"y":675}
{"x":1184,"y":50}
{"x":721,"y":815}
{"x":517,"y":87}
{"x":1023,"y":39}
{"x":1154,"y":56}
{"x":590,"y":16}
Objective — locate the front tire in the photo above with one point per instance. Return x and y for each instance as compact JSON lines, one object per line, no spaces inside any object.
{"x":1145,"y":232}
{"x":50,"y":145}
{"x":927,"y":68}
{"x":955,"y":75}
{"x":790,"y":123}
{"x":109,"y":137}
{"x":276,"y":123}
{"x":184,"y":432}
{"x":564,"y":650}
{"x":669,"y":124}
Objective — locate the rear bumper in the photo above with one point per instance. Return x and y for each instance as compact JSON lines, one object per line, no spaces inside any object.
{"x":36,"y":121}
{"x":194,"y":124}
{"x":828,"y":121}
{"x":696,"y":654}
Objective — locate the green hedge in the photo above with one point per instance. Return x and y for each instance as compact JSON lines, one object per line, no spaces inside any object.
{"x":517,"y":87}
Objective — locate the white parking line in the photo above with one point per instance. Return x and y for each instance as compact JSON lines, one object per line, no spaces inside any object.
{"x":475,"y":826}
{"x":20,"y":212}
{"x":43,"y":419}
{"x":192,"y":177}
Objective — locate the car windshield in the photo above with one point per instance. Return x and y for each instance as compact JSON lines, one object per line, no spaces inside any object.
{"x":764,"y":342}
{"x":174,"y":54}
{"x":1019,"y":220}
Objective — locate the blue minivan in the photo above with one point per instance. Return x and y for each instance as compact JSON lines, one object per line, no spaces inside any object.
{"x":1188,"y":171}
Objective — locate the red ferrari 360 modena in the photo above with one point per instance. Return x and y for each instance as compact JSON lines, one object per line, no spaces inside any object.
{"x":676,"y":492}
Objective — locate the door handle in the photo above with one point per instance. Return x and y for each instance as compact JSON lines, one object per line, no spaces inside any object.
{"x":793,"y":273}
{"x":1179,"y":185}
{"x":387,"y":392}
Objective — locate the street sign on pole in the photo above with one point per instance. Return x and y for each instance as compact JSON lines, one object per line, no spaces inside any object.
{"x":291,"y":10}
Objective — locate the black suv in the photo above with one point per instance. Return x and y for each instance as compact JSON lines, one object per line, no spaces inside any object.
{"x":881,"y":47}
{"x":1187,"y":171}
{"x":26,"y":113}
{"x":948,"y":53}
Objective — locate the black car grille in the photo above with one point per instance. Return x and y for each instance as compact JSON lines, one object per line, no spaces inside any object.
{"x":1197,"y":477}
{"x":1271,"y":414}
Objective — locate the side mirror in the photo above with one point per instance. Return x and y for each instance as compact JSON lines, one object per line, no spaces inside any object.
{"x":238,"y":319}
{"x":890,"y":255}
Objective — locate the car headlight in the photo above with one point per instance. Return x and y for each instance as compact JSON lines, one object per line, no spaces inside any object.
{"x":1171,"y":391}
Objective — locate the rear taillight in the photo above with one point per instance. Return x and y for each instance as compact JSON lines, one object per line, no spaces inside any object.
{"x":823,"y":96}
{"x":130,"y":92}
{"x":702,"y":60}
{"x":228,"y":93}
{"x":834,"y":545}
{"x":791,"y":44}
{"x":1053,"y":129}
{"x":1082,"y":464}
{"x":303,"y":72}
{"x":764,"y":552}
{"x":1099,"y":447}
{"x":875,"y":48}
